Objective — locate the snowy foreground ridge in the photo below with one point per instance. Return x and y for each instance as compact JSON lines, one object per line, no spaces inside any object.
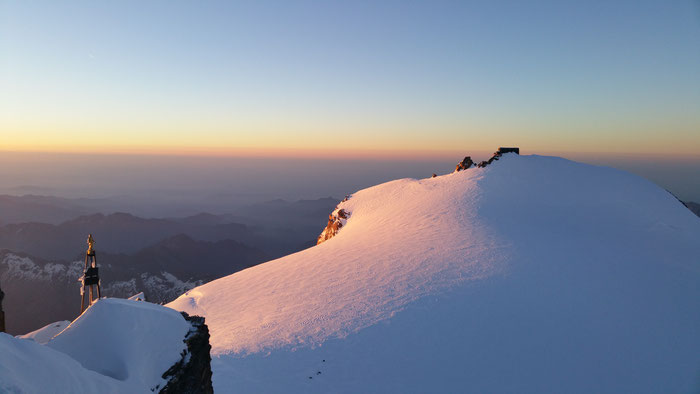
{"x":116,"y":346}
{"x":534,"y":274}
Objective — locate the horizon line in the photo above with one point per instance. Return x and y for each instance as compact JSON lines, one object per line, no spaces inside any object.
{"x":343,"y":154}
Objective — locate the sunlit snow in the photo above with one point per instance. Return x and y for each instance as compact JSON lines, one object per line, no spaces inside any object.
{"x":535,"y":274}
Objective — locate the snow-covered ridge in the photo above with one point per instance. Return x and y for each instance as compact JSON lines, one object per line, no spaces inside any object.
{"x":401,"y":242}
{"x":533,"y":274}
{"x":338,"y":218}
{"x":115,"y":346}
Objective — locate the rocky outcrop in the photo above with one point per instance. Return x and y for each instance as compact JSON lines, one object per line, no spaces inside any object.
{"x":336,"y":220}
{"x":192,"y":374}
{"x":497,"y":155}
{"x":464,"y":164}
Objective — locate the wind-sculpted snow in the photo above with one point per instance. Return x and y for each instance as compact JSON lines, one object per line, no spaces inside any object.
{"x":403,"y":241}
{"x":28,"y":367}
{"x":532,"y":275}
{"x":115,"y":346}
{"x":130,"y":341}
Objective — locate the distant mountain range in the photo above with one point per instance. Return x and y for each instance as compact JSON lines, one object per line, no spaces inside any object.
{"x":41,"y":209}
{"x":187,"y":259}
{"x":163,"y":257}
{"x":114,"y":233}
{"x":283,"y":227}
{"x":39,"y":291}
{"x":279,"y":227}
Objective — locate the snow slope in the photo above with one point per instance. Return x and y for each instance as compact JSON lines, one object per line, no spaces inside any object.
{"x":115,"y":346}
{"x":28,"y":367}
{"x":44,"y":334}
{"x":131,"y":341}
{"x":535,"y":274}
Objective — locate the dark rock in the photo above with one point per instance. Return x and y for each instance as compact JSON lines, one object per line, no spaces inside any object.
{"x":192,"y":374}
{"x":502,"y":150}
{"x":335,"y":223}
{"x":464,"y":164}
{"x":693,"y":206}
{"x":497,"y":155}
{"x":2,"y":313}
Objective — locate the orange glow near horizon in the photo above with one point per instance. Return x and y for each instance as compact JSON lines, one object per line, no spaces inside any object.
{"x":348,"y":153}
{"x":302,"y":153}
{"x":348,"y":141}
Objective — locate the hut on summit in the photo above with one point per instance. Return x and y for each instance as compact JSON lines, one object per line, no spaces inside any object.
{"x":502,"y":150}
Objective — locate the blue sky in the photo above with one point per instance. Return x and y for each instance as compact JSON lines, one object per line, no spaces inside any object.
{"x":557,"y":76}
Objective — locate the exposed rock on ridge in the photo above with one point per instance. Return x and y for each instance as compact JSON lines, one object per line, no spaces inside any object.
{"x":497,"y":155}
{"x":336,"y":221}
{"x":463,"y":165}
{"x":192,"y":374}
{"x":467,"y":162}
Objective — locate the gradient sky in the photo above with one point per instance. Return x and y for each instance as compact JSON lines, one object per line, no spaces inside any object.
{"x":331,"y":78}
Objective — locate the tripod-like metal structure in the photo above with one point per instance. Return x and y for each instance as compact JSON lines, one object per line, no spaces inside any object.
{"x":90,"y":278}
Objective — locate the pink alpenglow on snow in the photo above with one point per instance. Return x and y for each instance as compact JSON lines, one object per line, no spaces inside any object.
{"x":532,"y":275}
